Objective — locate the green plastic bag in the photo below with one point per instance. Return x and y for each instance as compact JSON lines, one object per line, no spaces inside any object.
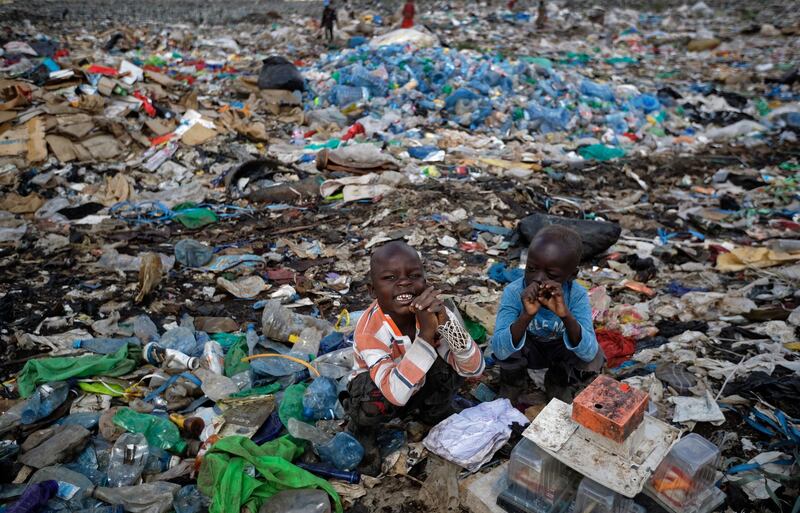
{"x":193,"y":218}
{"x":62,"y":368}
{"x":291,"y":406}
{"x":601,"y":152}
{"x":265,"y":390}
{"x":226,"y":340}
{"x":223,"y":476}
{"x":233,"y":358}
{"x":475,"y":330}
{"x":159,"y":431}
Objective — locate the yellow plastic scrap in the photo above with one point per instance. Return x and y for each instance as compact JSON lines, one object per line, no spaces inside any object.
{"x":743,"y":257}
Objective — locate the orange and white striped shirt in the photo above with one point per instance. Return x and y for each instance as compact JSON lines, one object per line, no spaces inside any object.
{"x":396,"y":365}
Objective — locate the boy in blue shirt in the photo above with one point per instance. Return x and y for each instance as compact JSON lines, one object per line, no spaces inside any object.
{"x":545,"y":320}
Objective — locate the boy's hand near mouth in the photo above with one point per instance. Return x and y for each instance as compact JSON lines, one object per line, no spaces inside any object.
{"x":430,"y":312}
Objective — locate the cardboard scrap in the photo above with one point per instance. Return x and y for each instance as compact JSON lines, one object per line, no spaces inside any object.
{"x":198,"y":134}
{"x":28,"y":139}
{"x":16,"y":204}
{"x":745,"y":256}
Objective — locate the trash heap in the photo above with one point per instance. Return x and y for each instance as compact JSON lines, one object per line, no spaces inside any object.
{"x":187,"y":213}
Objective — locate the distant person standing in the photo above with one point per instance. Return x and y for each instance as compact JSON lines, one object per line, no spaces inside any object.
{"x":408,"y":14}
{"x":541,"y":15}
{"x":328,"y":19}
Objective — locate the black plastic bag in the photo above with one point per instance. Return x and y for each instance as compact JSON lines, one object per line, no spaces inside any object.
{"x":279,"y":73}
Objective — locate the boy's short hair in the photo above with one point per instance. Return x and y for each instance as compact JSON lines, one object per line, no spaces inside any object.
{"x":564,"y":236}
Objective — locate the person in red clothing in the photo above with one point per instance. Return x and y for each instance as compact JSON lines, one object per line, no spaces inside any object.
{"x":408,"y":14}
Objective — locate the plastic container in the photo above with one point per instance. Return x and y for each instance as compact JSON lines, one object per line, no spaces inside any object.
{"x":105,"y":345}
{"x":688,"y":471}
{"x":342,"y":451}
{"x":128,"y":458}
{"x":306,"y":500}
{"x":534,"y":471}
{"x":44,"y":401}
{"x":592,"y":497}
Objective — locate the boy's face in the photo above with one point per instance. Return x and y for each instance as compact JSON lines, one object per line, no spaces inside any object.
{"x":397,"y":278}
{"x":548,"y":260}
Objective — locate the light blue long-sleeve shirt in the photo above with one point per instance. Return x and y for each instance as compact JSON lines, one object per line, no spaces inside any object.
{"x":545,"y":324}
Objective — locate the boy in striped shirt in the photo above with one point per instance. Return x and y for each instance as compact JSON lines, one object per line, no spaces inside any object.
{"x":411,"y":352}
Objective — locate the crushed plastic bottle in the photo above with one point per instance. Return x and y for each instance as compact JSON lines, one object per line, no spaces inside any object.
{"x":335,"y":364}
{"x":216,"y":386}
{"x":44,"y":401}
{"x":342,"y":450}
{"x":280,"y":324}
{"x":128,"y":458}
{"x":105,"y":345}
{"x":190,"y":500}
{"x":319,"y":399}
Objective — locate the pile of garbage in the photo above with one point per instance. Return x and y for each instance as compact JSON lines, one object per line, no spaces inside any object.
{"x":187,"y":213}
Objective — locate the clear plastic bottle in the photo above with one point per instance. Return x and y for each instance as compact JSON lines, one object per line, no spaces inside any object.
{"x":44,"y":401}
{"x":216,"y":386}
{"x":307,"y":342}
{"x":335,"y":364}
{"x":280,"y":324}
{"x":128,"y":458}
{"x":213,"y":358}
{"x":105,"y":345}
{"x":319,"y":399}
{"x":305,"y":431}
{"x":308,"y":500}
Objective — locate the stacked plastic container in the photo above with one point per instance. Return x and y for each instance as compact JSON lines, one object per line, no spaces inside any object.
{"x":684,"y":481}
{"x":538,"y":483}
{"x":593,"y":497}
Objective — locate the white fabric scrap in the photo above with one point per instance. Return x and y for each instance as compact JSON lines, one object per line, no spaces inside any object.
{"x":697,"y":409}
{"x":470,"y":438}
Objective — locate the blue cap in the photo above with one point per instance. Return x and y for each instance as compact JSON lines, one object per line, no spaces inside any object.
{"x":77,"y":344}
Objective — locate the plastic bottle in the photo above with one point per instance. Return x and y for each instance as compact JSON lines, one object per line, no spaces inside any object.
{"x":189,"y":500}
{"x":216,"y":386}
{"x":589,"y":88}
{"x":279,"y":323}
{"x":335,"y":364}
{"x":213,"y":358}
{"x":145,"y":330}
{"x":328,"y":472}
{"x":105,"y":345}
{"x":307,"y":500}
{"x":128,"y":457}
{"x":158,"y":460}
{"x":307,"y":342}
{"x":158,"y":431}
{"x":252,"y":339}
{"x":156,"y":354}
{"x":319,"y":399}
{"x":342,"y":451}
{"x":191,"y":426}
{"x":89,"y":420}
{"x":344,"y":95}
{"x":35,"y":496}
{"x":44,"y":401}
{"x":180,"y":339}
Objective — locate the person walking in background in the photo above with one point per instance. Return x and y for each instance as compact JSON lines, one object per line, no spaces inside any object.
{"x":408,"y":14}
{"x":328,"y":19}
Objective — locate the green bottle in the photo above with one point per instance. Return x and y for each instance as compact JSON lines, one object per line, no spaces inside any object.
{"x":159,"y":431}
